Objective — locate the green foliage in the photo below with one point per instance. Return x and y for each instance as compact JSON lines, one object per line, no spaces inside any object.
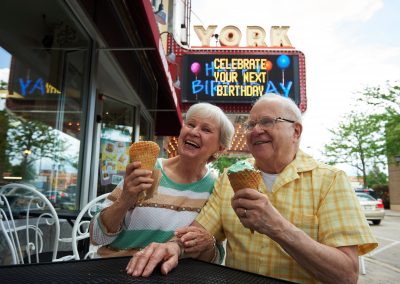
{"x":23,"y":170}
{"x":3,"y":85}
{"x":224,"y":162}
{"x":357,"y":141}
{"x":392,"y":135}
{"x":365,"y":141}
{"x":386,"y":103}
{"x":376,"y":178}
{"x":4,"y":125}
{"x":41,"y":140}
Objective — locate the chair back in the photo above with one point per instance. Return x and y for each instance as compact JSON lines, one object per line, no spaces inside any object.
{"x":23,"y":249}
{"x":80,"y":229}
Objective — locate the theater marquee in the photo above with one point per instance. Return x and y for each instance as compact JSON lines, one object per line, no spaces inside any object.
{"x":241,"y":78}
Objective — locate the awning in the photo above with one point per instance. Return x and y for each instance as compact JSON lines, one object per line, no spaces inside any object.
{"x":168,"y":112}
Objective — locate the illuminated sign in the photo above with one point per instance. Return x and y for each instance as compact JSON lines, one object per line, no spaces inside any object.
{"x":255,"y":36}
{"x":239,"y":78}
{"x":40,"y":86}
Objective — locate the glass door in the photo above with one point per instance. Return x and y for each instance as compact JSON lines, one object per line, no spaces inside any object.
{"x":117,"y":128}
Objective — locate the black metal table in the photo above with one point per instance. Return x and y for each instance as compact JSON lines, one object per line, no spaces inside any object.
{"x":112,"y":270}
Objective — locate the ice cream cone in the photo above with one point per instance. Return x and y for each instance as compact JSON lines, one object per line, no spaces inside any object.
{"x":244,"y":179}
{"x":244,"y":175}
{"x":146,"y":152}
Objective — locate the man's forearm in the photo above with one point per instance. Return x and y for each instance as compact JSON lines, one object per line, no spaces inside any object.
{"x":207,"y":255}
{"x":327,"y":264}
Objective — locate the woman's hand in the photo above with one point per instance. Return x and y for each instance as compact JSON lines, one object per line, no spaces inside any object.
{"x":195,"y":239}
{"x":136,"y":180}
{"x":143,"y":262}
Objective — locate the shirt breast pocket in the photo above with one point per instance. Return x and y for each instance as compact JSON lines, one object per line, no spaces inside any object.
{"x":307,"y":223}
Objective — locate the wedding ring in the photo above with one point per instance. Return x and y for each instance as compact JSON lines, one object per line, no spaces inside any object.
{"x":245,"y":213}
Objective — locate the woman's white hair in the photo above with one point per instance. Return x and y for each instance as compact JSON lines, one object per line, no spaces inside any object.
{"x":206,"y":110}
{"x":288,"y":105}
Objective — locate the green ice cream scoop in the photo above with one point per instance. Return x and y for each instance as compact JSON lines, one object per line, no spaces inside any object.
{"x":241,"y":166}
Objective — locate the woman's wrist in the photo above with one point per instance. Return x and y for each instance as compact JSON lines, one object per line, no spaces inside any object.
{"x":109,"y":230}
{"x":112,"y":217}
{"x":214,"y":249}
{"x":127,"y":201}
{"x":212,"y":243}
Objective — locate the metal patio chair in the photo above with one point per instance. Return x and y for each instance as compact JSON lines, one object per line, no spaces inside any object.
{"x":25,"y":238}
{"x":362,"y":265}
{"x":80,"y":230}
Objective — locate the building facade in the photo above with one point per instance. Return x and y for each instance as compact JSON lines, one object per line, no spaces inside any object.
{"x":81,"y":80}
{"x":394,"y":184}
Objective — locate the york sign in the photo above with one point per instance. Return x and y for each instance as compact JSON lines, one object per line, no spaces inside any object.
{"x":231,"y":36}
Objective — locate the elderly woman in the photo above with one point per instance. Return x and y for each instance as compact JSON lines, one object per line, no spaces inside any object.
{"x":186,"y":183}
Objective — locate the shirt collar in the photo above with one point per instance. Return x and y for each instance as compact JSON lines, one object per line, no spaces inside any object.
{"x":302,"y":163}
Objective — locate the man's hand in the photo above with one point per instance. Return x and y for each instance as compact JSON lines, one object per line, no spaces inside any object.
{"x":255,"y":211}
{"x":195,"y":239}
{"x":143,"y":262}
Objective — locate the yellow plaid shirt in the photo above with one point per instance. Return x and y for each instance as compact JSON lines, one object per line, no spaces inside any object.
{"x":315,"y":197}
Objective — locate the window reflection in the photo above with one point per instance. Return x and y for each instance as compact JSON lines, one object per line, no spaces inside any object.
{"x":115,"y":139}
{"x":43,"y":72}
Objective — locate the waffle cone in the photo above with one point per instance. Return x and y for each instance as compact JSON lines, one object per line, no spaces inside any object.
{"x":244,"y":179}
{"x":145,"y":152}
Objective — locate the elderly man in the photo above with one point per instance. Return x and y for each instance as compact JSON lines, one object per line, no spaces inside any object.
{"x":307,"y":220}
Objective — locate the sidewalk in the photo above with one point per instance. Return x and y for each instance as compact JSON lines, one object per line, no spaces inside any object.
{"x":393,"y":213}
{"x":382,"y":264}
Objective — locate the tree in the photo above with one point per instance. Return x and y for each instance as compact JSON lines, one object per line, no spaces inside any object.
{"x":386,"y":107}
{"x":29,"y":141}
{"x":376,"y":177}
{"x":4,"y":125}
{"x":357,"y":141}
{"x":3,"y":85}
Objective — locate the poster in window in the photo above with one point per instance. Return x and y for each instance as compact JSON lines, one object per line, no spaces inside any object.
{"x":114,"y":158}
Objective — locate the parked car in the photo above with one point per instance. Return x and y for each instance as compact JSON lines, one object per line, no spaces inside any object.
{"x":57,"y":197}
{"x":18,"y":205}
{"x":369,"y":191}
{"x":71,"y":191}
{"x":15,"y":191}
{"x":373,"y":208}
{"x":18,"y":199}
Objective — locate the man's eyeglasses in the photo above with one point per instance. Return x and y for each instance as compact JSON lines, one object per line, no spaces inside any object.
{"x":265,"y":122}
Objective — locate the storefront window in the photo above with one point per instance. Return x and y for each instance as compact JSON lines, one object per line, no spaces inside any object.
{"x":144,"y":129}
{"x":43,"y":68}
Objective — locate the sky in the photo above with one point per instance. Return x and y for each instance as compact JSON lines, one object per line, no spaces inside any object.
{"x":4,"y":65}
{"x":348,"y":45}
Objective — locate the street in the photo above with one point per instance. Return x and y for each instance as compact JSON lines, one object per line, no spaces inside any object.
{"x":383,"y":264}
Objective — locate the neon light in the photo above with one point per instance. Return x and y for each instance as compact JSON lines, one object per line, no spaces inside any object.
{"x":28,"y":87}
{"x":231,"y":78}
